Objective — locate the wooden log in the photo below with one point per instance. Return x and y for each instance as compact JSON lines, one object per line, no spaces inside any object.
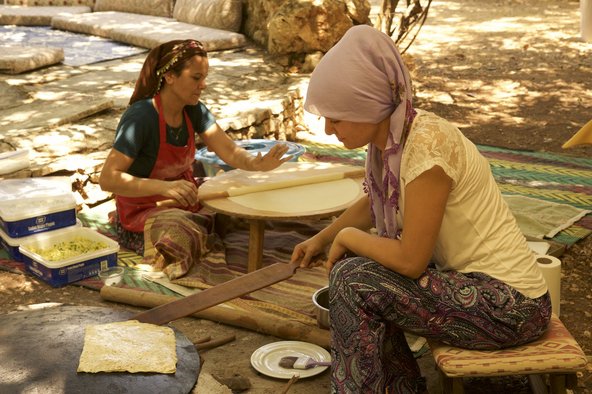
{"x":261,"y":322}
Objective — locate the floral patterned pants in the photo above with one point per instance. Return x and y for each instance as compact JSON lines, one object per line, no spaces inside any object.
{"x":371,"y":307}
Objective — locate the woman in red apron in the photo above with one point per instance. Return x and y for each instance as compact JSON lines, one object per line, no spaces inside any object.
{"x":154,"y":149}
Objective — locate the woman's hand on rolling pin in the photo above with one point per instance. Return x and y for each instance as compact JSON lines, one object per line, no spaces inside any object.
{"x":272,"y":159}
{"x":182,"y":191}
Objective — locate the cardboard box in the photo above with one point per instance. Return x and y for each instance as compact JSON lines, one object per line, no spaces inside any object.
{"x":61,"y":272}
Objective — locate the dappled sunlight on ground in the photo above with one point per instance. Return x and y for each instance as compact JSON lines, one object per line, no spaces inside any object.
{"x":507,"y":67}
{"x":509,"y":73}
{"x":119,"y":93}
{"x":240,"y":62}
{"x":24,"y":285}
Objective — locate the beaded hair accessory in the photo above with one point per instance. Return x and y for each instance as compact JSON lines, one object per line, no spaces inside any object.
{"x":181,"y":50}
{"x":170,"y":53}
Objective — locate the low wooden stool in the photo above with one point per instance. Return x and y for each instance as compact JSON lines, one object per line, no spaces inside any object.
{"x":555,"y":354}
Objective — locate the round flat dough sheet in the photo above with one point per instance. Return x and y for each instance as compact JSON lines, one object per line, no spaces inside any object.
{"x":40,"y":351}
{"x":318,"y":196}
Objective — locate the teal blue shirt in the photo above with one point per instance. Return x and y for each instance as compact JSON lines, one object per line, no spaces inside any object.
{"x":138,"y":135}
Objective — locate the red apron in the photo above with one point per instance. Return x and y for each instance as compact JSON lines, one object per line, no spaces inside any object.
{"x":172,"y":163}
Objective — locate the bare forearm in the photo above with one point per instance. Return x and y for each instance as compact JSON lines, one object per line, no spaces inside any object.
{"x":357,"y":216}
{"x":115,"y":179}
{"x":391,"y":253}
{"x":243,"y":159}
{"x":127,"y":185}
{"x":233,"y":155}
{"x":237,"y":157}
{"x":240,"y":158}
{"x":425,"y":204}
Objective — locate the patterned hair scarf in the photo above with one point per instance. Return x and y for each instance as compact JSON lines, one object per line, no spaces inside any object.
{"x":160,"y":60}
{"x":364,"y":79}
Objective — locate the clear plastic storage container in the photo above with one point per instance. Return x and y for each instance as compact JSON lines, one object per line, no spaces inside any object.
{"x":34,"y":205}
{"x":11,"y":245}
{"x":61,"y":272}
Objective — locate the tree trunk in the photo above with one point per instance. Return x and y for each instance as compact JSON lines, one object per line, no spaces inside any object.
{"x":400,"y":26}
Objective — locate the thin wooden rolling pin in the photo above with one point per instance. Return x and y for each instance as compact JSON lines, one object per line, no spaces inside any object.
{"x":261,"y":187}
{"x":256,"y":321}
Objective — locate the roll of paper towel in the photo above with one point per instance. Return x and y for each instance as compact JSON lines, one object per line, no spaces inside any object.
{"x":551,"y":268}
{"x":586,"y":20}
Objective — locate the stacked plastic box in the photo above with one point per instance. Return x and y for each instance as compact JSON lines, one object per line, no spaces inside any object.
{"x":11,"y":245}
{"x":37,"y":213}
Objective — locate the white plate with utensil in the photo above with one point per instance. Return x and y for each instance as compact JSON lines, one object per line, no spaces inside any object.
{"x":266,"y":359}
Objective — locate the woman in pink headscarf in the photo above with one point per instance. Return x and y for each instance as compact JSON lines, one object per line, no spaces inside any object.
{"x":447,"y":260}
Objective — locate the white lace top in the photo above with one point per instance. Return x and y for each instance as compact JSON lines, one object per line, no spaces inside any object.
{"x":478,"y":233}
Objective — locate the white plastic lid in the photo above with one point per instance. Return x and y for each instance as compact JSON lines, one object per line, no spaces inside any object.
{"x":29,"y":197}
{"x":15,"y":242}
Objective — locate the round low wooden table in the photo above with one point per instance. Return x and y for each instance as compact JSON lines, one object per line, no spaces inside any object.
{"x":256,"y":217}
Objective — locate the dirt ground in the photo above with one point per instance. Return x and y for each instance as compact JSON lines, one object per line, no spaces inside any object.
{"x":510,"y":73}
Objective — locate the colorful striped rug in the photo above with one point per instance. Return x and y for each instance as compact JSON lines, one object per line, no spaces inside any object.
{"x":551,"y":177}
{"x":546,"y":176}
{"x":558,"y":178}
{"x":555,"y":178}
{"x":289,"y":299}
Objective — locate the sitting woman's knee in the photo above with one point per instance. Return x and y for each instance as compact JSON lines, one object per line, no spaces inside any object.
{"x":349,"y":269}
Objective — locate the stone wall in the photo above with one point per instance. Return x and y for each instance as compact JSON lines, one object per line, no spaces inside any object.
{"x":296,"y":28}
{"x":278,"y":122}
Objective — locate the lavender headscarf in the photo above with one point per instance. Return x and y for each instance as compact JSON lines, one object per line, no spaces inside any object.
{"x":364,"y":79}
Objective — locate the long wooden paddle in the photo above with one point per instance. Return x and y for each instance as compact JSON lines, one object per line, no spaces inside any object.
{"x":218,"y":294}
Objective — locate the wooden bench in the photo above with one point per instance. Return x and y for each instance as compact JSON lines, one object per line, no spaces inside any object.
{"x":556,"y":354}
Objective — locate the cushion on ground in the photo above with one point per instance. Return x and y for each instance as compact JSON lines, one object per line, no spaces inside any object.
{"x":18,"y":59}
{"x":146,"y":7}
{"x":219,"y":14}
{"x":30,"y":3}
{"x":96,"y":23}
{"x":555,"y":351}
{"x":146,"y":31}
{"x":36,"y":16}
